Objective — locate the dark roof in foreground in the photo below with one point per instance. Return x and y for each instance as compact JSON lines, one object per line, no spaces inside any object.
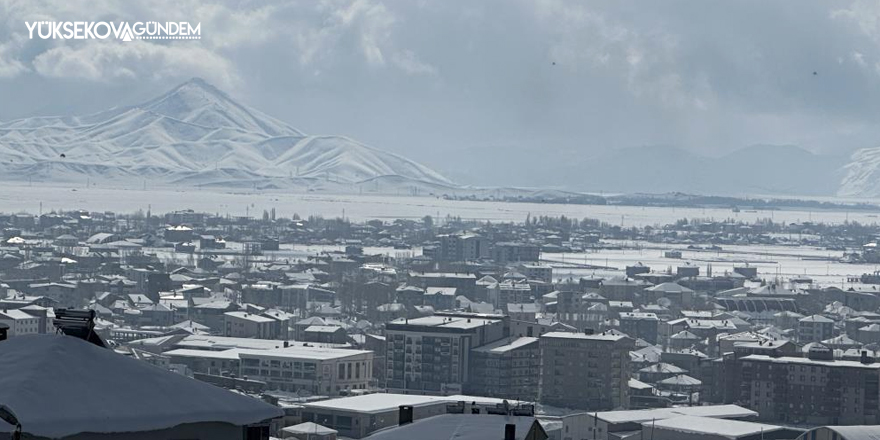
{"x":58,"y":386}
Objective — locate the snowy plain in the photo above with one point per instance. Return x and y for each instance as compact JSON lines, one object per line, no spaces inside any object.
{"x":44,"y":197}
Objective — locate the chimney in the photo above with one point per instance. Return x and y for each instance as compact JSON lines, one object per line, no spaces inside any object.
{"x":286,"y":344}
{"x":405,"y":415}
{"x":510,"y":431}
{"x":865,"y":359}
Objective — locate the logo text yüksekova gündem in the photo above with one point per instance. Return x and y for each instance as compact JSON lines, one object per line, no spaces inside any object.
{"x":125,"y":31}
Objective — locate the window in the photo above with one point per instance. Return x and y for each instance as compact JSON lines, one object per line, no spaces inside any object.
{"x":341,"y":371}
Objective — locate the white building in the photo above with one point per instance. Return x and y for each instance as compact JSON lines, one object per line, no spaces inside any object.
{"x":326,"y":371}
{"x":248,"y":325}
{"x":20,"y":323}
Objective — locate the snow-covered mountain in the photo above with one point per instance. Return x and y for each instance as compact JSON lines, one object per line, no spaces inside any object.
{"x":194,"y":134}
{"x":862,"y":174}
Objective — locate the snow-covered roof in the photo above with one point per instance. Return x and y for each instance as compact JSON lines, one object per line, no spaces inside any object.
{"x":639,"y":385}
{"x":309,"y":428}
{"x":322,"y":329}
{"x":681,"y":380}
{"x":249,"y":317}
{"x":462,"y":427}
{"x":808,"y":361}
{"x":604,"y":336}
{"x":707,"y":426}
{"x":375,"y":403}
{"x":864,"y":432}
{"x":60,"y":386}
{"x":669,"y":288}
{"x":645,"y":415}
{"x":816,"y":318}
{"x":663,"y":368}
{"x":505,"y":345}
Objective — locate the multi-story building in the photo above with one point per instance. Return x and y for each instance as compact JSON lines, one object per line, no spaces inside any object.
{"x":815,"y":390}
{"x":509,"y":368}
{"x":248,"y":325}
{"x":535,"y":271}
{"x":431,"y":355}
{"x":585,"y":371}
{"x":815,"y":328}
{"x":19,"y":322}
{"x":326,"y":371}
{"x":640,"y":325}
{"x":507,"y":252}
{"x":464,"y":283}
{"x":463,"y":247}
{"x":440,"y":298}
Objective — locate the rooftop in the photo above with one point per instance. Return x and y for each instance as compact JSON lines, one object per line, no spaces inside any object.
{"x":707,"y":425}
{"x":505,"y":345}
{"x":807,"y":361}
{"x":646,"y":415}
{"x":44,"y":376}
{"x":606,"y":336}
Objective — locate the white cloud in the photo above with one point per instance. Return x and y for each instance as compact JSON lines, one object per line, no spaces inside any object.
{"x":108,"y":61}
{"x":408,"y":62}
{"x":10,"y":65}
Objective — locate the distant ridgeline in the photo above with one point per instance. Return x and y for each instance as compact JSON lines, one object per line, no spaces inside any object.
{"x":673,"y":200}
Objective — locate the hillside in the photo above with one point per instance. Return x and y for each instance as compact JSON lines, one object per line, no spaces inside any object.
{"x":193,"y":134}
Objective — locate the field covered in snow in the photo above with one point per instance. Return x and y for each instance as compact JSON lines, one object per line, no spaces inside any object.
{"x":15,"y":197}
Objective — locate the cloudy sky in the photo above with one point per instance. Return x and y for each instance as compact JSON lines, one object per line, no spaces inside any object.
{"x":441,"y":81}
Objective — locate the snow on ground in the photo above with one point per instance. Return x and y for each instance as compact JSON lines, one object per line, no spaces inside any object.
{"x":364,"y":207}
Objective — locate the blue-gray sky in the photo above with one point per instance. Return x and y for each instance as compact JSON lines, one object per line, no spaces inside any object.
{"x":443,"y":80}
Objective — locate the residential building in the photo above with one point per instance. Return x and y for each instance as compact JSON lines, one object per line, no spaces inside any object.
{"x":248,"y":325}
{"x":509,"y":368}
{"x":510,"y":252}
{"x":463,"y":247}
{"x":325,"y":371}
{"x":585,"y":371}
{"x":815,"y":328}
{"x":640,"y":325}
{"x":431,"y":355}
{"x":464,"y":283}
{"x":534,"y":271}
{"x":815,"y":390}
{"x":19,"y":322}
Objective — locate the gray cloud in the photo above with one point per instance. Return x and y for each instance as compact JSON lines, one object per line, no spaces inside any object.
{"x":446,"y":81}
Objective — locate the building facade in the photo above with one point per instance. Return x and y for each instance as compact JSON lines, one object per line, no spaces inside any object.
{"x":508,"y":369}
{"x":816,"y":390}
{"x":585,"y":371}
{"x":431,"y":355}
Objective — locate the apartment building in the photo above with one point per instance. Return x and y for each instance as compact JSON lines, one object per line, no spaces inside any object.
{"x":464,"y":283}
{"x":19,"y":322}
{"x":248,"y":325}
{"x":815,"y":328}
{"x":325,"y":371}
{"x":509,"y":252}
{"x":535,"y":271}
{"x":585,"y":371}
{"x":815,"y":390}
{"x":463,"y":247}
{"x":509,"y":369}
{"x":431,"y":355}
{"x":640,"y":325}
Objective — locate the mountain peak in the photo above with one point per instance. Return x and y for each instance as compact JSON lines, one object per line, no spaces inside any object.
{"x":196,"y":87}
{"x":198,"y":134}
{"x":198,"y":102}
